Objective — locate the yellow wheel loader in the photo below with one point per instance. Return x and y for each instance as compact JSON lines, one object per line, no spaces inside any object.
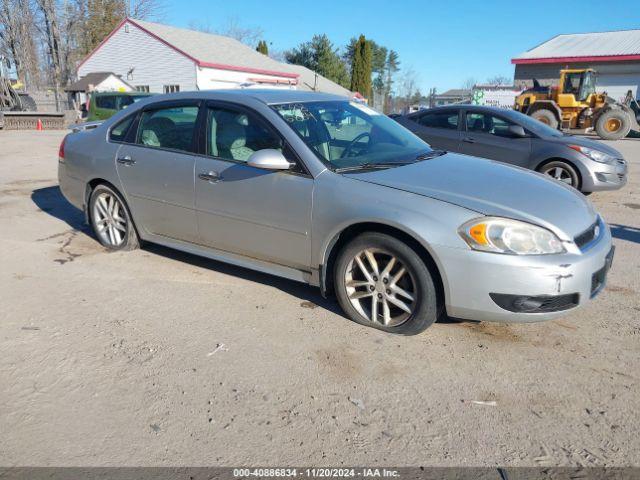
{"x":575,"y":106}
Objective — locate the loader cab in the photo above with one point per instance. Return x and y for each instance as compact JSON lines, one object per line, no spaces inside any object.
{"x":580,"y":84}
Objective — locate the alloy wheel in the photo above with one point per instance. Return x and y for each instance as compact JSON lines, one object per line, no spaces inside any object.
{"x":380,"y":287}
{"x":561,"y":174}
{"x":110,"y":219}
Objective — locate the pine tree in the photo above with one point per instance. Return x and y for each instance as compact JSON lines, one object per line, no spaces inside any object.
{"x":263,"y":47}
{"x":361,"y":68}
{"x":322,"y":57}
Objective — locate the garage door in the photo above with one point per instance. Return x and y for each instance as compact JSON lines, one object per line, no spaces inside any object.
{"x":617,"y":85}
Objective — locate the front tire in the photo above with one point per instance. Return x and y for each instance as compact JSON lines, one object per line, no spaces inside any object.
{"x":613,"y":124}
{"x":383,"y":283}
{"x":111,"y":221}
{"x":563,"y":172}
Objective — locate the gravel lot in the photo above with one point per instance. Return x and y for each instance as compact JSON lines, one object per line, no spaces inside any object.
{"x":155,"y":357}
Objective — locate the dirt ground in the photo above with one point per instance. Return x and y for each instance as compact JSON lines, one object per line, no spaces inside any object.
{"x":156,"y":357}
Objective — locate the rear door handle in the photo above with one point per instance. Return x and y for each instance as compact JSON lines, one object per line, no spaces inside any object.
{"x":126,"y":160}
{"x":211,"y":177}
{"x":468,"y":140}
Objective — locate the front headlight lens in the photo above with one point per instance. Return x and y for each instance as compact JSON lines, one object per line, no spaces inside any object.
{"x":595,"y":155}
{"x":503,"y":235}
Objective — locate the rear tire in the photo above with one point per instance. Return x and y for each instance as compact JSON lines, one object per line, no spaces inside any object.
{"x":546,"y":116}
{"x":111,"y":220}
{"x":399,"y":299}
{"x":613,"y":124}
{"x":563,"y":172}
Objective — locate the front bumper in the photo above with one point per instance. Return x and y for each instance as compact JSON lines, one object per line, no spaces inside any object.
{"x":472,"y":276}
{"x":603,"y":176}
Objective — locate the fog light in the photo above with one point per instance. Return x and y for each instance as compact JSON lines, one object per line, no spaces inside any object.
{"x":535,"y":304}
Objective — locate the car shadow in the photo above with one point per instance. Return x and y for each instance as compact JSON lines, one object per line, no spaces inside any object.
{"x":50,"y":200}
{"x":625,"y":232}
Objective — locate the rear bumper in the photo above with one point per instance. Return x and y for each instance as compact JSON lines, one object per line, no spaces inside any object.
{"x":472,"y":278}
{"x":71,"y":187}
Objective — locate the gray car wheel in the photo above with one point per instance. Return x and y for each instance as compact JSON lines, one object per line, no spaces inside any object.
{"x":111,"y":221}
{"x":383,"y":283}
{"x":563,"y":172}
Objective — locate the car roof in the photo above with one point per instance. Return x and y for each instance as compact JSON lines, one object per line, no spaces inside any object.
{"x":137,"y":94}
{"x":267,"y":96}
{"x":505,"y":112}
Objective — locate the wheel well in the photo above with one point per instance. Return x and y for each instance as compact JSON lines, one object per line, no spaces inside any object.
{"x":353,"y":231}
{"x":564,"y":160}
{"x":91,"y":186}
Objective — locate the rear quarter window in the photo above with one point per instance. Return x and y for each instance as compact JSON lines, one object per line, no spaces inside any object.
{"x":119,"y":131}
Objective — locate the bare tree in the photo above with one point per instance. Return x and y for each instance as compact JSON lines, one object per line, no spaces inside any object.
{"x":17,"y":39}
{"x":499,"y":80}
{"x":247,"y":35}
{"x":154,"y":10}
{"x":469,"y":83}
{"x":51,"y":33}
{"x":231,"y":28}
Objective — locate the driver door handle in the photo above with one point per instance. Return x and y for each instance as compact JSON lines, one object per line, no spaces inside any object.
{"x":468,"y":140}
{"x":211,"y":177}
{"x":126,"y":160}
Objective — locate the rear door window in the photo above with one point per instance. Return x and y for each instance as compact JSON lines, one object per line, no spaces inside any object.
{"x":169,"y":128}
{"x":447,"y":120}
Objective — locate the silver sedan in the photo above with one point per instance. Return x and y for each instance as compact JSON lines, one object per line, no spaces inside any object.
{"x":323,"y":190}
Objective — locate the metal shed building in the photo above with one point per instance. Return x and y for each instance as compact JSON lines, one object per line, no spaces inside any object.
{"x":614,"y":55}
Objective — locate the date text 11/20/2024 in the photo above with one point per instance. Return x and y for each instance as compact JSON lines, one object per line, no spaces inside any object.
{"x":316,"y":472}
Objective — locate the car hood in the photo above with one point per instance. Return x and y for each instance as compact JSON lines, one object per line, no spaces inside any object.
{"x":586,"y":142}
{"x":491,"y":188}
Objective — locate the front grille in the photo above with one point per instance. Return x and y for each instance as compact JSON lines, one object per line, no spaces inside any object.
{"x":587,"y":236}
{"x":536,"y":304}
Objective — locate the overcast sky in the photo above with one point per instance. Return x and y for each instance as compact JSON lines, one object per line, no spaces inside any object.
{"x":443,"y":42}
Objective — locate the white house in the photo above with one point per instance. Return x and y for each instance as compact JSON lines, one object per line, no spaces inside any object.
{"x":159,"y":58}
{"x":96,"y":82}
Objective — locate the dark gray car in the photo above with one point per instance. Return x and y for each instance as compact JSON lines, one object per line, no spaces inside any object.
{"x":511,"y":137}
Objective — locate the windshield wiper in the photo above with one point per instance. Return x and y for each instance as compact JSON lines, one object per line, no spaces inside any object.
{"x":371,"y":166}
{"x":430,"y":154}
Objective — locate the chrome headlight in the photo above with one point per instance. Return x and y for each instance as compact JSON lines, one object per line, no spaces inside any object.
{"x":595,"y":155}
{"x":513,"y":237}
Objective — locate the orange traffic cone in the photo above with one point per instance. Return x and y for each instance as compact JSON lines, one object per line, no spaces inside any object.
{"x":39,"y":125}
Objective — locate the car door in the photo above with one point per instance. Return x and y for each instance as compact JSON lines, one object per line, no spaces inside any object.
{"x":156,"y":169}
{"x":241,"y":209}
{"x":439,"y":128}
{"x":487,"y":135}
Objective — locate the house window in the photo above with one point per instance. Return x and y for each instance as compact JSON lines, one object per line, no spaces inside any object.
{"x":142,"y":88}
{"x":171,"y":88}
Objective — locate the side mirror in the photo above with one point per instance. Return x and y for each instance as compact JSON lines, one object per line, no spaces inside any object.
{"x":517,"y":131}
{"x":269,"y":159}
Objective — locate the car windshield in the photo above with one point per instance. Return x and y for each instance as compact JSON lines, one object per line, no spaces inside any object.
{"x":349,"y":135}
{"x":534,"y":125}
